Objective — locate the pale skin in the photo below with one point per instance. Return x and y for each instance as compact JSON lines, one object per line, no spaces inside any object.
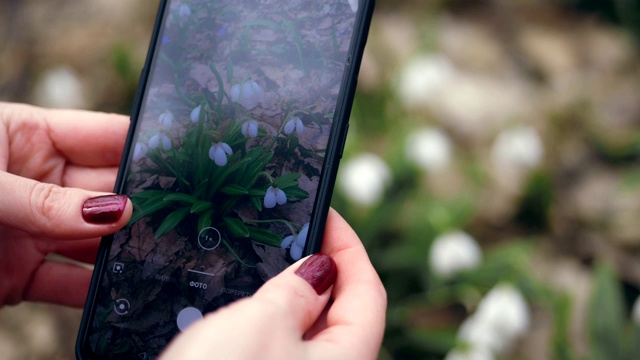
{"x":52,"y":161}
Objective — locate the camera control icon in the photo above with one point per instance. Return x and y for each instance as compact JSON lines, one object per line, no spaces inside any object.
{"x":209,"y":238}
{"x":121,"y":306}
{"x":118,"y":268}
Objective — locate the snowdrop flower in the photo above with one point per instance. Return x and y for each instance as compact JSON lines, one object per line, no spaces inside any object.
{"x":354,"y":5}
{"x":429,"y":148}
{"x":139,"y":151}
{"x":297,"y":242}
{"x":156,"y":139}
{"x":250,"y":128}
{"x":185,"y":11}
{"x":218,"y":152}
{"x":166,"y":119}
{"x":454,"y":252}
{"x":519,"y":147}
{"x":423,"y":78}
{"x":247,"y":94}
{"x":364,"y":178}
{"x":502,"y":316}
{"x":294,"y":124}
{"x":195,"y":114}
{"x":274,"y":196}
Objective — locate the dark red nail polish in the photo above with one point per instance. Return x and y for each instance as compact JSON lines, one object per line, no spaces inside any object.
{"x":319,"y":271}
{"x":104,"y":209}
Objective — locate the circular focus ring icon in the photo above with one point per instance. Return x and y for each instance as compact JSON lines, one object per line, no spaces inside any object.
{"x":209,"y":238}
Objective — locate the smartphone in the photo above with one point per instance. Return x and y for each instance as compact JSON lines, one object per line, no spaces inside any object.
{"x":230,"y":161}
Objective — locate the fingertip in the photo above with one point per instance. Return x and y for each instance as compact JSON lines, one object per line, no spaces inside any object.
{"x":106,"y":209}
{"x":319,"y":271}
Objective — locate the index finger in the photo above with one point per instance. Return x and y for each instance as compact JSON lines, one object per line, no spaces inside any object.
{"x":84,"y":138}
{"x":88,"y":138}
{"x":355,"y":320}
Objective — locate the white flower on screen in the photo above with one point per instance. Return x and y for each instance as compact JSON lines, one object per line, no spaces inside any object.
{"x":423,"y":78}
{"x":454,"y":252}
{"x":354,"y":5}
{"x":429,"y":148}
{"x":195,"y":114}
{"x":364,"y":178}
{"x":274,"y":196}
{"x":158,"y":139}
{"x":185,"y":11}
{"x":635,"y":312}
{"x":297,"y":242}
{"x":218,"y":152}
{"x":250,"y":128}
{"x":519,"y":147}
{"x":247,"y":94}
{"x":294,"y":124}
{"x":470,"y":354}
{"x":139,"y":151}
{"x":166,"y":119}
{"x":502,"y":316}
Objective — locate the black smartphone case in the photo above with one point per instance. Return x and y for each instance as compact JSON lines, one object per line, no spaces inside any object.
{"x":322,"y":202}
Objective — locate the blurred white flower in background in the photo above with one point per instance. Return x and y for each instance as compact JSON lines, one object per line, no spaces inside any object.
{"x":294,"y":124}
{"x":502,"y":316}
{"x":60,"y":88}
{"x":364,"y":178}
{"x":470,"y":354}
{"x":454,"y":252}
{"x":635,"y":312}
{"x":518,"y":147}
{"x":429,"y":148}
{"x":423,"y":78}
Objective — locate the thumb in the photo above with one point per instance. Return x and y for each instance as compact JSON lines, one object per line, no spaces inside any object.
{"x":51,"y":211}
{"x":301,"y":290}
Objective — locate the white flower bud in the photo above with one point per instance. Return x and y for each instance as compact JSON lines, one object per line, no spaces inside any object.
{"x":219,"y":152}
{"x":274,"y":196}
{"x":294,"y":124}
{"x":139,"y":151}
{"x":185,"y":11}
{"x":166,"y":119}
{"x":354,"y":5}
{"x":195,"y":114}
{"x":454,"y":252}
{"x":250,"y":128}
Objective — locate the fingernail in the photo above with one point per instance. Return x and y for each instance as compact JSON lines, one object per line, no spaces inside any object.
{"x":319,"y":271}
{"x":104,"y":209}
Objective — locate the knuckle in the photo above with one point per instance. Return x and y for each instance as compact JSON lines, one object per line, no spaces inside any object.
{"x":45,"y":202}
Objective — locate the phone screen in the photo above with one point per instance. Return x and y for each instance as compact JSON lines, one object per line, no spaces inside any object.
{"x":226,"y":154}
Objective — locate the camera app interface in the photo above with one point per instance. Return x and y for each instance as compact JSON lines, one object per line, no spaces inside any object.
{"x":225,"y":162}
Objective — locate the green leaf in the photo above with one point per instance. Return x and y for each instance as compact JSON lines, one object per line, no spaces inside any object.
{"x":296,"y":192}
{"x":171,"y":221}
{"x":190,"y":199}
{"x":287,"y":180}
{"x":205,"y":220}
{"x":606,"y":316}
{"x":257,"y":192}
{"x":234,"y":189}
{"x":148,"y":194}
{"x":147,"y":210}
{"x":256,"y":202}
{"x":236,"y":226}
{"x":263,"y":236}
{"x":201,"y":206}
